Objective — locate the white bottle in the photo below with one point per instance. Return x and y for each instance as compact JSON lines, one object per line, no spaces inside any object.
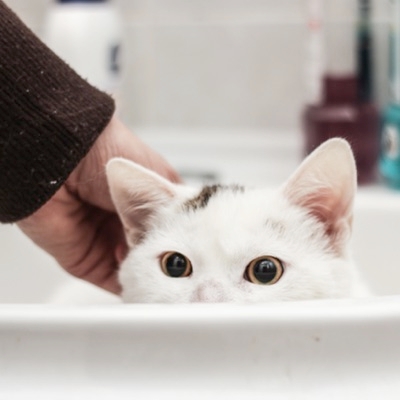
{"x":87,"y":36}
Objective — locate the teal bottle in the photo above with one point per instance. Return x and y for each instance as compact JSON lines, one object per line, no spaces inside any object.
{"x":389,"y":163}
{"x":389,"y":160}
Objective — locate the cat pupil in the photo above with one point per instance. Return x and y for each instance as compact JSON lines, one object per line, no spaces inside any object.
{"x":176,"y":265}
{"x":265,"y":270}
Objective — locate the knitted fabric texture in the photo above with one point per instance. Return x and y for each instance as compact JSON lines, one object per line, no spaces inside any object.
{"x":49,"y":119}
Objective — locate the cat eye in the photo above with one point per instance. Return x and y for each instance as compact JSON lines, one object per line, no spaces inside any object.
{"x":175,"y":265}
{"x":264,"y":270}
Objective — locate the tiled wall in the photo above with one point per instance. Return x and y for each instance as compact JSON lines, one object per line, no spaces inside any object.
{"x":224,"y":63}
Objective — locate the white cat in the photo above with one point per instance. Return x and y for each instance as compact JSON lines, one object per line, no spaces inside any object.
{"x":234,"y":244}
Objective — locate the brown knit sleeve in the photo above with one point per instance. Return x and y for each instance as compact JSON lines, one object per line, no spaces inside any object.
{"x":49,"y":119}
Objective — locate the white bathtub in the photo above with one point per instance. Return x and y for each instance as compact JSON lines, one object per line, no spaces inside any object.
{"x":306,"y":350}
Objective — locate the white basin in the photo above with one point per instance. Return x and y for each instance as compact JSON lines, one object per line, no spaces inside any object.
{"x":309,"y":350}
{"x":303,"y":350}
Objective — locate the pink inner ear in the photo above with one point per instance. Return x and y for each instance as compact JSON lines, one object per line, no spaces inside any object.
{"x":324,"y":206}
{"x":136,"y":221}
{"x":333,"y":209}
{"x":139,"y":209}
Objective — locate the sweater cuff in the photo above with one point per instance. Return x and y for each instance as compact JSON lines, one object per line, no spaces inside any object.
{"x":49,"y":119}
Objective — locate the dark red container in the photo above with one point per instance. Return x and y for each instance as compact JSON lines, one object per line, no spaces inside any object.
{"x":340,"y":114}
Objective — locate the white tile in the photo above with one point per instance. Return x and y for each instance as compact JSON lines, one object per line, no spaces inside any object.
{"x":226,"y":62}
{"x":222,"y":75}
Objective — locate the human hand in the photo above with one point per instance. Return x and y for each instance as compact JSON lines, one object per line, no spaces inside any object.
{"x":79,"y":226}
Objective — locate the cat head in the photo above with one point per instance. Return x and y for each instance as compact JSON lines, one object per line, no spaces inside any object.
{"x":229,"y":243}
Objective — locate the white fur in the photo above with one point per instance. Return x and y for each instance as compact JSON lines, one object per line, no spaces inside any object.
{"x":306,"y":224}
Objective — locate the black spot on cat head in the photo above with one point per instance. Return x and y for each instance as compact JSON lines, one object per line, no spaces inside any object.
{"x":202,"y":199}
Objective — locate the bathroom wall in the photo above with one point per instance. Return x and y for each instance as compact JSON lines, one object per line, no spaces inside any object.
{"x":224,"y":63}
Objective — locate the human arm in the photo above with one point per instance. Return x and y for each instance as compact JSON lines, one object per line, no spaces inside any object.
{"x":56,"y":134}
{"x":49,"y":119}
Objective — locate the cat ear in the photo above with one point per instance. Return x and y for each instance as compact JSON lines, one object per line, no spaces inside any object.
{"x":137,"y":193}
{"x":325,"y":185}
